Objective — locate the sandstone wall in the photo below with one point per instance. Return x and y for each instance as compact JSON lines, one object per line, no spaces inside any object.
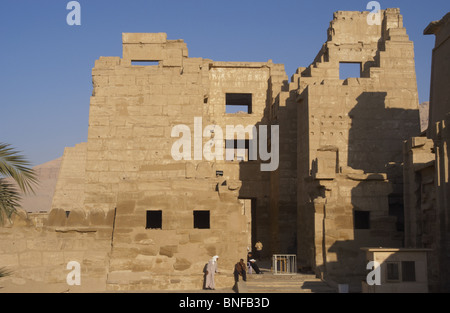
{"x":69,"y":189}
{"x":440,"y":69}
{"x":426,"y":169}
{"x":340,"y":152}
{"x":36,"y":249}
{"x":352,"y":131}
{"x":127,"y":169}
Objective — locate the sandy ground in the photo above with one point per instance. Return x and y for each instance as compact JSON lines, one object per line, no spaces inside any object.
{"x":19,"y":285}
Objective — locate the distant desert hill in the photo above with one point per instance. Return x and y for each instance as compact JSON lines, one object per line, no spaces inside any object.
{"x":41,"y":201}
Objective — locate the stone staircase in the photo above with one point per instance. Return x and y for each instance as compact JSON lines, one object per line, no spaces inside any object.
{"x":295,"y":283}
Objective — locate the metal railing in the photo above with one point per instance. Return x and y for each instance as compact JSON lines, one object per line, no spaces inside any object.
{"x":283,"y":264}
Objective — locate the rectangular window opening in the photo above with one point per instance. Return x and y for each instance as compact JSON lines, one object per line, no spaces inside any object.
{"x":408,"y":271}
{"x":238,"y":150}
{"x":393,"y":272}
{"x":154,"y":220}
{"x":349,"y":69}
{"x":145,"y":63}
{"x":361,"y":220}
{"x":202,"y":220}
{"x":238,"y":103}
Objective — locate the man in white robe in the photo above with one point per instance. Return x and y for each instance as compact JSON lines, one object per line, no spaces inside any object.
{"x":211,"y":270}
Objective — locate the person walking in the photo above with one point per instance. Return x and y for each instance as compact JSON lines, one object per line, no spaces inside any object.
{"x":211,"y":270}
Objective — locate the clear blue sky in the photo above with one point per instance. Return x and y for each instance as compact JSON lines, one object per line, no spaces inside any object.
{"x":45,"y":76}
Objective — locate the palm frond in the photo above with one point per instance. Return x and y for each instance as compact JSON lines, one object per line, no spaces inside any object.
{"x":4,"y":272}
{"x":9,"y":200}
{"x":14,"y":165}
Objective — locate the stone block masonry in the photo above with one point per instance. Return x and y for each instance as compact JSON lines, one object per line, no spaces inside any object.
{"x":350,"y":136}
{"x":138,"y":219}
{"x":36,"y":248}
{"x":426,"y":169}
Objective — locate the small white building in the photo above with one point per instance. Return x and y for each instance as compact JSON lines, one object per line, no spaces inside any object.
{"x":396,"y":270}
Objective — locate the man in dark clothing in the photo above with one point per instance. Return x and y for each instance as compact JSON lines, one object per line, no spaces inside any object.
{"x":240,"y":269}
{"x":253,"y":263}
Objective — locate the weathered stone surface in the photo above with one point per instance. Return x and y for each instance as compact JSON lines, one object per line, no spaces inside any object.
{"x":57,"y":217}
{"x":97,"y":217}
{"x":181,"y":264}
{"x":426,"y":161}
{"x":168,"y":250}
{"x":356,"y":127}
{"x":77,"y":217}
{"x":132,"y":224}
{"x":20,"y":218}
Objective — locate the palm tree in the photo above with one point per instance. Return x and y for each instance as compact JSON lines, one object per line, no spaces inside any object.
{"x":13,"y":165}
{"x":4,"y":272}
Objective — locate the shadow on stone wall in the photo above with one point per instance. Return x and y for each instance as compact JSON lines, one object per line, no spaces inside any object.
{"x":273,"y":194}
{"x":375,"y":173}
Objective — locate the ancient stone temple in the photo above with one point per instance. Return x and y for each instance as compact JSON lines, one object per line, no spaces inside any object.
{"x":169,"y":216}
{"x":427,"y":193}
{"x":188,"y":158}
{"x":350,"y":135}
{"x":339,"y":182}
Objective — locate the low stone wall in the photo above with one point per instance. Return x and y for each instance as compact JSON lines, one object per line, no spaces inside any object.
{"x":37,"y":249}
